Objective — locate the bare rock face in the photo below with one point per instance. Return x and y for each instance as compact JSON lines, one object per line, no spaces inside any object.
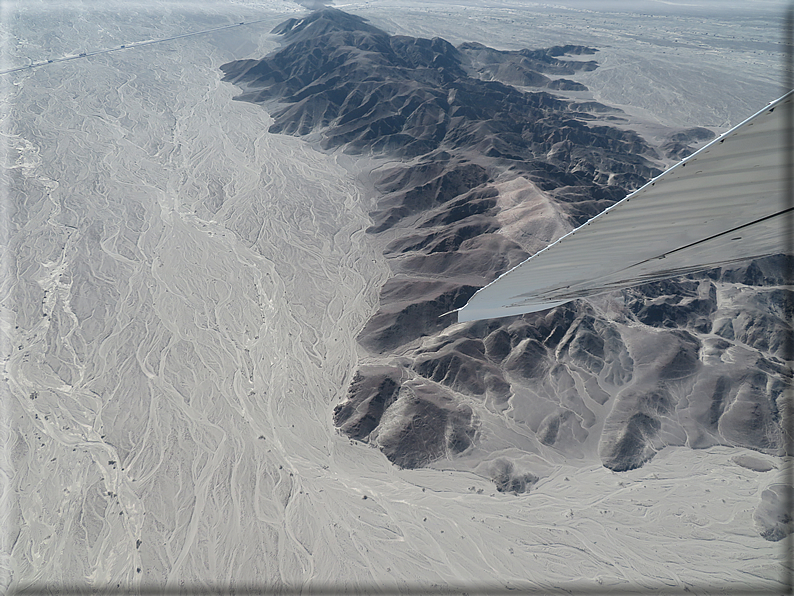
{"x":411,"y":308}
{"x":424,"y":424}
{"x":679,"y":145}
{"x":524,"y":67}
{"x":413,"y":194}
{"x":479,"y":176}
{"x":771,"y":518}
{"x":371,"y":393}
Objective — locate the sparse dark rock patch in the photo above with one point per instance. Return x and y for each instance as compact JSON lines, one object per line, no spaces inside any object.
{"x":507,"y":479}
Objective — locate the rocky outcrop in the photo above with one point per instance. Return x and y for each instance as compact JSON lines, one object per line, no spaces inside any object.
{"x":424,"y":424}
{"x":680,"y":144}
{"x":371,"y":393}
{"x":771,"y":519}
{"x":527,"y":68}
{"x":507,"y":479}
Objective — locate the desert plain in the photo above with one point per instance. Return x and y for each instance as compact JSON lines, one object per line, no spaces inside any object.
{"x":181,"y":296}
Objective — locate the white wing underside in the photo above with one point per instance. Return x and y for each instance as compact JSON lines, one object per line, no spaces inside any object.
{"x":720,"y":205}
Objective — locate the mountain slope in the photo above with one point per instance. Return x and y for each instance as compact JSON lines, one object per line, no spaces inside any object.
{"x":472,"y":176}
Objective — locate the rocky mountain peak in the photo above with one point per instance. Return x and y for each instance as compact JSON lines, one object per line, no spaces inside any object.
{"x":322,"y":22}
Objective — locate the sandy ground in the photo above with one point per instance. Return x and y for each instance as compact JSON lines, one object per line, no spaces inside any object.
{"x":181,"y":295}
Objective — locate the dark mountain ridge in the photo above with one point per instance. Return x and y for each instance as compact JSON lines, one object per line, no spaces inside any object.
{"x":369,"y":92}
{"x":477,"y":175}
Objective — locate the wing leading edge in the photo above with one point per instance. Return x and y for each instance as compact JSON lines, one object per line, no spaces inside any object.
{"x":722,"y":204}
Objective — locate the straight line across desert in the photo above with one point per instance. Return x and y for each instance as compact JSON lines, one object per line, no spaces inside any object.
{"x":233,"y":233}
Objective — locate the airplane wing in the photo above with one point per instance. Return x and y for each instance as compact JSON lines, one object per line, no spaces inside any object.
{"x":722,"y":204}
